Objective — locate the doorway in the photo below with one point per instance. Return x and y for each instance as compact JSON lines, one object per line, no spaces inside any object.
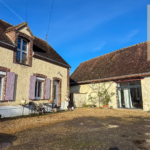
{"x":56,"y":93}
{"x":130,"y":95}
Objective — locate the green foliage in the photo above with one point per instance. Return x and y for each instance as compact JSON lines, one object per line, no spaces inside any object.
{"x":90,"y":105}
{"x":92,"y":100}
{"x":84,"y":105}
{"x":101,"y":94}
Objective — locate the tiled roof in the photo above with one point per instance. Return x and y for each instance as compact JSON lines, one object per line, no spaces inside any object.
{"x":3,"y":37}
{"x":40,"y":46}
{"x":124,"y":62}
{"x":16,"y":27}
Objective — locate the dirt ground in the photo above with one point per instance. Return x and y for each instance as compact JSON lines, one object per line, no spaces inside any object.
{"x":83,"y":128}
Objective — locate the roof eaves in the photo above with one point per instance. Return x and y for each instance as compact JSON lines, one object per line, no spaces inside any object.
{"x":113,"y":78}
{"x":7,"y":44}
{"x":52,"y":60}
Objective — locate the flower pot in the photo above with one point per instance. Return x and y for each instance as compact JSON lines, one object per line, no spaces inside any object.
{"x":105,"y":106}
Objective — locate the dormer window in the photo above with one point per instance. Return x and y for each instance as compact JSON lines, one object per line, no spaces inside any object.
{"x":22,"y":51}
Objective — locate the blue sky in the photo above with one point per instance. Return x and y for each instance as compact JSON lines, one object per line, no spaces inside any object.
{"x":82,"y":29}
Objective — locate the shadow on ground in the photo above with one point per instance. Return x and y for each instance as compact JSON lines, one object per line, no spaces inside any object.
{"x":6,"y":140}
{"x":87,"y":133}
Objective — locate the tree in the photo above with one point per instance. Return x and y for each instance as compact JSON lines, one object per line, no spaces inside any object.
{"x":100,"y":93}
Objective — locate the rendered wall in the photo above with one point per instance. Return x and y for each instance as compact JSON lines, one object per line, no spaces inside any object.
{"x":79,"y":99}
{"x":23,"y":30}
{"x":85,"y":88}
{"x":23,"y":74}
{"x":145,"y":84}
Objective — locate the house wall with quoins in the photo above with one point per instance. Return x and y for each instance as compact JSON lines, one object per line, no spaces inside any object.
{"x":23,"y":73}
{"x":49,"y":67}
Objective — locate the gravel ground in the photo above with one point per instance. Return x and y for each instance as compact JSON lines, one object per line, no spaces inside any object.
{"x":84,"y":128}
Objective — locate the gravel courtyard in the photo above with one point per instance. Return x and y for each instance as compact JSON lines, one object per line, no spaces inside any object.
{"x":83,"y":128}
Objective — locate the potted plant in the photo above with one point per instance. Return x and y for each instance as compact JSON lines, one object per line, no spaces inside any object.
{"x":107,"y":98}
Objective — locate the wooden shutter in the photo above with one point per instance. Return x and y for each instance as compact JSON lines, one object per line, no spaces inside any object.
{"x":47,"y":88}
{"x":32,"y":87}
{"x":10,"y":82}
{"x":59,"y":94}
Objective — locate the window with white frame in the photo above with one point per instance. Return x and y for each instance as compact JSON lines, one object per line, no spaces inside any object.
{"x":39,"y":88}
{"x":22,"y":51}
{"x":2,"y":75}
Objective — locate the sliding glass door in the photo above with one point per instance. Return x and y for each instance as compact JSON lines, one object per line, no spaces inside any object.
{"x":130,"y":95}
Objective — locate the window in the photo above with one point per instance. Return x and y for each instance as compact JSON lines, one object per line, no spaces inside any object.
{"x":22,"y":51}
{"x":138,"y":82}
{"x":39,"y":88}
{"x":124,"y":84}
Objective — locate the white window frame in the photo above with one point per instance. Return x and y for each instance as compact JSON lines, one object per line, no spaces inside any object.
{"x":22,"y":51}
{"x":2,"y":75}
{"x":39,"y":80}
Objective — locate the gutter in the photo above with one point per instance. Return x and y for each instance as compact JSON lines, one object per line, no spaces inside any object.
{"x":112,"y":78}
{"x":51,"y":60}
{"x":8,"y":44}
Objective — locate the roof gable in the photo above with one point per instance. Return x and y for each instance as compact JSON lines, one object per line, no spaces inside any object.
{"x":22,"y":27}
{"x":25,"y":30}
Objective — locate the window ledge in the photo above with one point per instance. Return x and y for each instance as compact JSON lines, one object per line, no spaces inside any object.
{"x":22,"y":64}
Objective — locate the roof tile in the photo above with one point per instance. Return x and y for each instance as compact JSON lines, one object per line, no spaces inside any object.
{"x":126,"y":61}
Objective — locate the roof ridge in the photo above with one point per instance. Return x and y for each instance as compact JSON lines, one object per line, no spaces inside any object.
{"x":16,"y":25}
{"x":113,"y":51}
{"x":20,"y":23}
{"x":6,"y":22}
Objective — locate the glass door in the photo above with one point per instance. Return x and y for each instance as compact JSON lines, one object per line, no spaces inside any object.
{"x":125,"y":98}
{"x":130,"y":95}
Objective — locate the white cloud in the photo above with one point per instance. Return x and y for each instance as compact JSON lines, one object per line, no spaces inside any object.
{"x":128,"y":37}
{"x":99,"y":47}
